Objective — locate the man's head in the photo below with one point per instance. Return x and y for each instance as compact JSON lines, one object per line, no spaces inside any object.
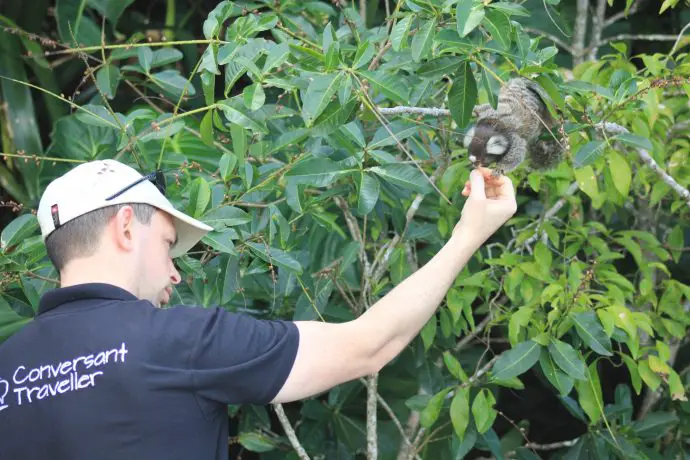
{"x":104,"y":222}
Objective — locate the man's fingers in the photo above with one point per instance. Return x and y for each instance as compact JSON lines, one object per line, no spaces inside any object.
{"x":477,"y":184}
{"x":506,"y":189}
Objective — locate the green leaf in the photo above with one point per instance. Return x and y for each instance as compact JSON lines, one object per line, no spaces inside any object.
{"x":421,"y":42}
{"x":634,"y":373}
{"x":364,"y":54}
{"x":199,"y":197}
{"x":562,"y":382}
{"x":218,"y":16}
{"x":498,"y":25}
{"x":227,"y":165}
{"x":275,"y":256}
{"x":587,"y":181}
{"x":516,"y":361}
{"x":403,"y":175}
{"x":16,"y":231}
{"x":220,"y":241}
{"x":319,"y":93}
{"x":636,"y":141}
{"x":165,"y":56}
{"x":676,"y":240}
{"x":226,"y":216}
{"x":400,"y":33}
{"x":383,"y":136}
{"x":276,"y":56}
{"x":72,"y":138}
{"x":145,"y":56}
{"x":257,"y":442}
{"x":454,"y":366}
{"x":468,"y":16}
{"x":369,"y":188}
{"x":620,"y":172}
{"x":649,"y":377}
{"x":206,"y":128}
{"x":567,"y":359}
{"x":439,"y":67}
{"x":74,"y":27}
{"x":433,"y":409}
{"x":460,"y":411}
{"x":462,"y":96}
{"x":235,"y":114}
{"x":428,"y":333}
{"x":110,"y":9}
{"x":518,"y":320}
{"x":254,"y":96}
{"x":392,"y":86}
{"x":483,"y":410}
{"x":592,"y":333}
{"x":589,"y":153}
{"x":172,"y":82}
{"x":318,"y":172}
{"x":10,"y":321}
{"x":589,"y":394}
{"x":510,"y":8}
{"x":654,"y":425}
{"x":107,"y":79}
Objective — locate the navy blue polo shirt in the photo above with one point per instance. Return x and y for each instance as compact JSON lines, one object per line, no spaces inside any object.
{"x":100,"y":374}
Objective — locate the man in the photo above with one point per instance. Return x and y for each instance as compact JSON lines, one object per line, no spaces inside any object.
{"x":101,"y":372}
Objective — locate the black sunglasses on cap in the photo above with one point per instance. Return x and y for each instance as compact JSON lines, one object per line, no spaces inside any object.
{"x":157,"y":178}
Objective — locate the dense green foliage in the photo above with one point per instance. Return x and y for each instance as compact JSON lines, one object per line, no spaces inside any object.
{"x":569,"y":325}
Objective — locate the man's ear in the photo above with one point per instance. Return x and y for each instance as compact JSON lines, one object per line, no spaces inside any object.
{"x":124,"y":228}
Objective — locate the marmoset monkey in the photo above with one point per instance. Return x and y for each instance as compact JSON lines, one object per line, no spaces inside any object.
{"x":516,"y":130}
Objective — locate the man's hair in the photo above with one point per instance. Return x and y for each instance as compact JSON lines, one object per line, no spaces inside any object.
{"x":80,"y":236}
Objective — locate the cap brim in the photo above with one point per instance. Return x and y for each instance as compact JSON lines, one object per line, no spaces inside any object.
{"x":189,"y":231}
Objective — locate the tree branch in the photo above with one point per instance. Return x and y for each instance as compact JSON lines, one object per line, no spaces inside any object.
{"x":620,"y":15}
{"x":372,"y":422}
{"x":647,"y":37}
{"x":580,"y":32}
{"x":614,"y":128}
{"x":552,"y":446}
{"x":290,"y":432}
{"x":597,"y":29}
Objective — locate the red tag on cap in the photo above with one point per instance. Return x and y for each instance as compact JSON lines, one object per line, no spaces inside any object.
{"x":56,"y":215}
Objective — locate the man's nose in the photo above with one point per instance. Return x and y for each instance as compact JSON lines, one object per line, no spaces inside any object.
{"x":175,"y":276}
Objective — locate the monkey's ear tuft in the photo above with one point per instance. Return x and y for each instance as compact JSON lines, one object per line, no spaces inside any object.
{"x":497,"y":145}
{"x":468,"y":137}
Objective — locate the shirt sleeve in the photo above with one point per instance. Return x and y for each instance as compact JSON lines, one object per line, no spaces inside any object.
{"x":228,"y":358}
{"x":240,"y":359}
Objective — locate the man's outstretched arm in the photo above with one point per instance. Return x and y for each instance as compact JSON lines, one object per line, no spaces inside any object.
{"x":330,"y":354}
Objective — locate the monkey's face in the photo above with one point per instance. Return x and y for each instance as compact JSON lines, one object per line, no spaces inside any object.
{"x":485,"y":145}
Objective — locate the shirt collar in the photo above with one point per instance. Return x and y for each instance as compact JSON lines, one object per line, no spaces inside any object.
{"x":88,"y":291}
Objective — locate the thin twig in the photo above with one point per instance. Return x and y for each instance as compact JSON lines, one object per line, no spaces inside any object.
{"x":557,"y":41}
{"x":372,"y":421}
{"x":623,"y":14}
{"x":290,"y":432}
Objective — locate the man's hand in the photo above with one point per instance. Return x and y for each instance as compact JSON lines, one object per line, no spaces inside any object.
{"x":490,"y":204}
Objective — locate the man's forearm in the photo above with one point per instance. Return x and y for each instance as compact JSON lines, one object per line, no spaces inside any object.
{"x":392,"y":322}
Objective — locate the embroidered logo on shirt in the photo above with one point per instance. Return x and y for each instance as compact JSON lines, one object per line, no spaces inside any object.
{"x":4,"y":389}
{"x":34,"y":384}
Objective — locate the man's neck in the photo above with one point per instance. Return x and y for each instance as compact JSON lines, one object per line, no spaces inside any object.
{"x":83,"y":271}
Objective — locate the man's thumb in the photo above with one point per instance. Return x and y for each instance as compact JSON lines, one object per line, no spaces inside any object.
{"x":477,"y":183}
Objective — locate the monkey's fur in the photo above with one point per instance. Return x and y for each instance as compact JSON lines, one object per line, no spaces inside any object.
{"x":515,"y":131}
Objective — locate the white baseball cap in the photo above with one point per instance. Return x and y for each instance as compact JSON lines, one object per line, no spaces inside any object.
{"x":91,"y":186}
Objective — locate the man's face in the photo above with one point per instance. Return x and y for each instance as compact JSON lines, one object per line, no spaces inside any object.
{"x":159,"y":272}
